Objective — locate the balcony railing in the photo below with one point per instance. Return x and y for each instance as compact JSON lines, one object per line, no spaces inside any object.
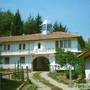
{"x":12,"y":66}
{"x":27,"y":52}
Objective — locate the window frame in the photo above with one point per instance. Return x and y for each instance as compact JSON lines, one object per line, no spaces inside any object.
{"x":7,"y":60}
{"x":22,"y":60}
{"x":39,"y":45}
{"x":57,"y":44}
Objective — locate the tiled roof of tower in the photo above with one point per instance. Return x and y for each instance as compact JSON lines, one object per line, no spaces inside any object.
{"x":38,"y":36}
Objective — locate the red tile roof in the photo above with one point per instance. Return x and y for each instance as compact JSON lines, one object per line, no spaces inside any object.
{"x":38,"y":36}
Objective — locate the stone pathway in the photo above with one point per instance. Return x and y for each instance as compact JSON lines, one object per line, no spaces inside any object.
{"x":40,"y":86}
{"x":52,"y":81}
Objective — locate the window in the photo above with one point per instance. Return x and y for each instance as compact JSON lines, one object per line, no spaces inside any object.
{"x":39,"y":45}
{"x":49,"y":27}
{"x":44,"y":26}
{"x":1,"y":61}
{"x":19,"y":46}
{"x":0,"y":47}
{"x":57,"y":44}
{"x":22,"y":46}
{"x":69,"y":43}
{"x":61,"y":44}
{"x":6,"y":60}
{"x":22,"y":60}
{"x":6,"y":47}
{"x":65,"y":43}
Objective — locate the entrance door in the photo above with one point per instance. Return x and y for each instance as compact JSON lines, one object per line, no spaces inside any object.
{"x":40,"y":64}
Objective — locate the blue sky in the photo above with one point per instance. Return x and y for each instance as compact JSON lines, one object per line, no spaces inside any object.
{"x":73,"y":13}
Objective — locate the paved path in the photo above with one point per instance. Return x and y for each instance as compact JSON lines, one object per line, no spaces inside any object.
{"x":52,"y":81}
{"x":40,"y":86}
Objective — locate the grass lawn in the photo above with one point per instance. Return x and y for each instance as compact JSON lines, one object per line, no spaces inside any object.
{"x":9,"y":84}
{"x":32,"y":87}
{"x":37,"y":77}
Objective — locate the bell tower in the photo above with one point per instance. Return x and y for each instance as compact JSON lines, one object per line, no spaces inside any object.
{"x":46,"y":27}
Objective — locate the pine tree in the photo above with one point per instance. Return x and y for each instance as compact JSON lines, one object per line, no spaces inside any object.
{"x":17,"y":25}
{"x":6,"y":18}
{"x":33,"y":25}
{"x":38,"y":23}
{"x":59,"y":27}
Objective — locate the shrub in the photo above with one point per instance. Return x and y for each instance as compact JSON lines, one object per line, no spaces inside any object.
{"x":74,"y":75}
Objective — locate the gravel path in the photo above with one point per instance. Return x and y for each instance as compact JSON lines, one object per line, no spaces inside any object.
{"x":52,"y":81}
{"x":40,"y":86}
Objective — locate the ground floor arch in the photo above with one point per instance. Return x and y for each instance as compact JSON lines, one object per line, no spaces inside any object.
{"x":40,"y":64}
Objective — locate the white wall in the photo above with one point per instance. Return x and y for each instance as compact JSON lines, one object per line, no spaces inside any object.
{"x":52,"y":63}
{"x":47,"y":48}
{"x":46,"y":44}
{"x":74,"y":45}
{"x":15,"y":59}
{"x":87,"y":69}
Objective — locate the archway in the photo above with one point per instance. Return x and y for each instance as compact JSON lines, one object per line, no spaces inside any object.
{"x":40,"y":64}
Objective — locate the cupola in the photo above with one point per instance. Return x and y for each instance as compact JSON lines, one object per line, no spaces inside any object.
{"x":46,"y":27}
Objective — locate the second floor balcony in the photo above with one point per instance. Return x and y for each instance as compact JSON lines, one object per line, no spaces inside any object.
{"x":27,"y":52}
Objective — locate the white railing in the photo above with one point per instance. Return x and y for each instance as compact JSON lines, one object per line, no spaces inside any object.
{"x":12,"y":66}
{"x":27,"y":52}
{"x":43,"y":51}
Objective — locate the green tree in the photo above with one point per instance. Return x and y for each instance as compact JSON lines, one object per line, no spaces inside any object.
{"x":87,"y":45}
{"x":64,"y":58}
{"x":33,"y":25}
{"x":17,"y":24}
{"x":30,"y":26}
{"x":59,"y":27}
{"x":38,"y":23}
{"x":6,"y":18}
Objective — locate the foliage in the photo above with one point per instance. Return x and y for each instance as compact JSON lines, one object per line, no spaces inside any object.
{"x":12,"y":24}
{"x":6,"y":18}
{"x":9,"y":84}
{"x":33,"y":25}
{"x":80,"y":67}
{"x":74,"y":75}
{"x":32,"y":87}
{"x":64,"y":58}
{"x":59,"y":77}
{"x":59,"y":27}
{"x":17,"y":24}
{"x":87,"y":45}
{"x":38,"y":23}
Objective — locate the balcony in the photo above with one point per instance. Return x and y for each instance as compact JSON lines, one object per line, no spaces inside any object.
{"x":12,"y":66}
{"x":43,"y":51}
{"x":27,"y":52}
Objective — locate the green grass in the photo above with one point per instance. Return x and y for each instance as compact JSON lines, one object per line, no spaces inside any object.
{"x":32,"y":87}
{"x":37,"y":77}
{"x":9,"y":84}
{"x":59,"y":76}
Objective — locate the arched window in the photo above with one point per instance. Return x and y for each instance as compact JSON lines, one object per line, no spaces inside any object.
{"x":39,"y":45}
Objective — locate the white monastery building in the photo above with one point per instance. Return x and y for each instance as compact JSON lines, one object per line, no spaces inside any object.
{"x":37,"y":51}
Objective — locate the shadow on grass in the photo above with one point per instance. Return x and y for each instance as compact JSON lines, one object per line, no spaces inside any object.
{"x":6,"y":84}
